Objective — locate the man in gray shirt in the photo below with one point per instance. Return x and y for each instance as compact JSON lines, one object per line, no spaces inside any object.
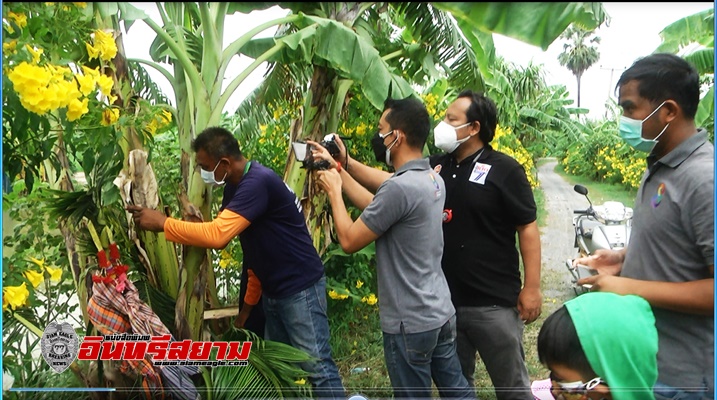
{"x":670,"y":257}
{"x":404,"y":218}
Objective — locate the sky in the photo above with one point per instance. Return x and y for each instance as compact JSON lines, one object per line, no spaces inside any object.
{"x":632,"y":33}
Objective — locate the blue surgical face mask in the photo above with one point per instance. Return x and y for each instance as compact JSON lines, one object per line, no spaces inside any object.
{"x":208,"y":176}
{"x":631,"y":132}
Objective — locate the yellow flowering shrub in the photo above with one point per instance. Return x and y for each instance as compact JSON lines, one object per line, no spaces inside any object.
{"x":506,"y":142}
{"x":337,"y":296}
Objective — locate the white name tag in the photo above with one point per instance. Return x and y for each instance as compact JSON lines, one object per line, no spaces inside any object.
{"x":480,"y":172}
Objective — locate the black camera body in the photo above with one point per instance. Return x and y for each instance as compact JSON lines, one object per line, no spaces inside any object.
{"x":333,"y":149}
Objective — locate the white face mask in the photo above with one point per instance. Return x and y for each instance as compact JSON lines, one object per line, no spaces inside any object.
{"x":445,"y":136}
{"x":208,"y":176}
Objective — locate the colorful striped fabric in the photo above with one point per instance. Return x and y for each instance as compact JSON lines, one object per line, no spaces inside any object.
{"x":112,"y":312}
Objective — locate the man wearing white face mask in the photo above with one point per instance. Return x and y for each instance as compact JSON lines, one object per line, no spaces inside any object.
{"x":488,"y":201}
{"x":265,"y":214}
{"x":670,"y":258}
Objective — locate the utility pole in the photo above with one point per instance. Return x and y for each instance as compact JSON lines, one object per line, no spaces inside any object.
{"x":609,"y":87}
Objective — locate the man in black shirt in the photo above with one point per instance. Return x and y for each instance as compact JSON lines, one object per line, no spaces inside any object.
{"x":488,"y":201}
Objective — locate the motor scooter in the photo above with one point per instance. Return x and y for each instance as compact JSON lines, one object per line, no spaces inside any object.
{"x":604,"y":226}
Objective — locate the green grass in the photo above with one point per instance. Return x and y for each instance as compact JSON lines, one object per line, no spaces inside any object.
{"x":600,"y":192}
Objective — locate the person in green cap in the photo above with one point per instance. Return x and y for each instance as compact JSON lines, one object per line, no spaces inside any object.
{"x":601,"y":345}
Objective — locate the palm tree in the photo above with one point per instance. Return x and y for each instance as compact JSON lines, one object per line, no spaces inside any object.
{"x":578,"y":55}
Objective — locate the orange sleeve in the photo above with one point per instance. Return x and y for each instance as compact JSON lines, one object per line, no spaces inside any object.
{"x":213,"y":235}
{"x":253,"y":289}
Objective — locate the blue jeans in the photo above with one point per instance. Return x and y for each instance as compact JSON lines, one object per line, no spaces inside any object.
{"x":412,"y":359}
{"x":300,"y":321}
{"x":665,"y":392}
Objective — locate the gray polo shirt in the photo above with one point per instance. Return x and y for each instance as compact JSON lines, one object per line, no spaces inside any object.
{"x":407,"y":213}
{"x":673,"y":240}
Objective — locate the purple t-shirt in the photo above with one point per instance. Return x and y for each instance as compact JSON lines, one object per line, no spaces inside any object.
{"x":277,"y":244}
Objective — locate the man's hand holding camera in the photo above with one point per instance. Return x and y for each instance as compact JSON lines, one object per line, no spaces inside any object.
{"x":329,"y":180}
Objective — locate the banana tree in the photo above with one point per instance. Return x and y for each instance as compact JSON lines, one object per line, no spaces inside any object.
{"x":427,"y":47}
{"x":693,"y":38}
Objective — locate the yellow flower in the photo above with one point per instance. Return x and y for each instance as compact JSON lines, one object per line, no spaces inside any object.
{"x":9,"y":47}
{"x":34,"y":277}
{"x":224,"y":262}
{"x":110,"y":116}
{"x":80,"y":4}
{"x":36,"y":53}
{"x":40,"y":263}
{"x":19,"y":19}
{"x":76,"y":109}
{"x":359,"y":283}
{"x":301,"y":381}
{"x":105,"y":83}
{"x":370,"y":300}
{"x":49,"y":4}
{"x":87,"y":83}
{"x":103,"y":47}
{"x":55,"y":273}
{"x":14,"y":296}
{"x":337,"y":296}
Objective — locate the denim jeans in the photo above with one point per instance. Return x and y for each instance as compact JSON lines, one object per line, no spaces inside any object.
{"x":300,"y":321}
{"x":665,"y":392}
{"x":412,"y":359}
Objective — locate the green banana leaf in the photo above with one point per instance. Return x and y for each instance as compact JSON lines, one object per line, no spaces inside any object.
{"x":331,"y":44}
{"x":538,"y":24}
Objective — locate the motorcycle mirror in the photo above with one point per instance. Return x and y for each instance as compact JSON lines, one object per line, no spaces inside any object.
{"x":581,"y":189}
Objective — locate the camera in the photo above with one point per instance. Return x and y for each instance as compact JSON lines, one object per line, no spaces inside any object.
{"x":303,"y":153}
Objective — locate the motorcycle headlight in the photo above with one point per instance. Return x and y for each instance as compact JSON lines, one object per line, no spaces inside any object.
{"x":612,"y":211}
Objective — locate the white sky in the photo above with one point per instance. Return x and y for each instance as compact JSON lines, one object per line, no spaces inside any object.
{"x":633,"y":33}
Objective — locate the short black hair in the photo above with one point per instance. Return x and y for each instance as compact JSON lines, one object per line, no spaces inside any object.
{"x":664,"y":76}
{"x":483,"y":110}
{"x":410,"y":116}
{"x":558,"y":343}
{"x":217,"y":142}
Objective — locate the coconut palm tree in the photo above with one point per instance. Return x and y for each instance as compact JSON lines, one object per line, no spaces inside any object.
{"x":578,"y":56}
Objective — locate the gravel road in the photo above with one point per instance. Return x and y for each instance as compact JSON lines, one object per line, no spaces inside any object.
{"x":557,"y":236}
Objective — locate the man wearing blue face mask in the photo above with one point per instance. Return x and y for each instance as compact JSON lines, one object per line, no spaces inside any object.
{"x":265,"y":214}
{"x":669,"y":260}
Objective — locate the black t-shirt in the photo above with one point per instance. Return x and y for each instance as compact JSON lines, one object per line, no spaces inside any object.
{"x":487,"y":195}
{"x":277,"y":245}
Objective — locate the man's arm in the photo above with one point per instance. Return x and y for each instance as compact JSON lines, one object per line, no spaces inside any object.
{"x":693,"y":297}
{"x":213,"y":235}
{"x":359,"y":196}
{"x":353,"y":236}
{"x":530,"y":299}
{"x":370,"y":178}
{"x":251,"y":298}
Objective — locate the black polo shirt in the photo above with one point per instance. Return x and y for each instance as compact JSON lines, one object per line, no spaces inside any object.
{"x":487,"y":196}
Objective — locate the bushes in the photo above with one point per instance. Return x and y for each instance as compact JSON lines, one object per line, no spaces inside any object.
{"x":604,"y":156}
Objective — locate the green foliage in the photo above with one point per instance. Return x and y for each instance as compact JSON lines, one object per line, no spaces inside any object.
{"x":273,"y":371}
{"x":604,"y":156}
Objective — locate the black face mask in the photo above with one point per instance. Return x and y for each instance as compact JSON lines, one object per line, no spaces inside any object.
{"x":379,"y":149}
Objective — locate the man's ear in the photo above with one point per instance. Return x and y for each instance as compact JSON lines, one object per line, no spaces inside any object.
{"x":475,"y":125}
{"x":673,"y":110}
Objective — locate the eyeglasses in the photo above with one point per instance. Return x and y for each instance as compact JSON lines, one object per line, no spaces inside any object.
{"x":574,"y":390}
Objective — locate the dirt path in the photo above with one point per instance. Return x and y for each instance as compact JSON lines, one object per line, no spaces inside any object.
{"x":557,"y":236}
